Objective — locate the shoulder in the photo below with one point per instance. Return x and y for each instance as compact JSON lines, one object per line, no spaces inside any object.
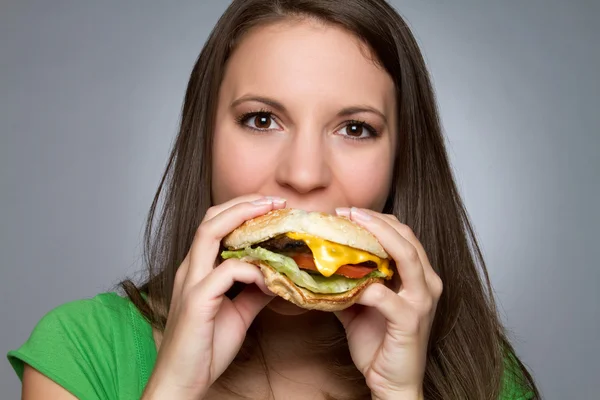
{"x":81,"y":320}
{"x":74,"y":343}
{"x":515,"y":385}
{"x":109,"y":304}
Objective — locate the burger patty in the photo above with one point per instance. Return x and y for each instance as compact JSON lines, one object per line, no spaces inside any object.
{"x":284,"y":244}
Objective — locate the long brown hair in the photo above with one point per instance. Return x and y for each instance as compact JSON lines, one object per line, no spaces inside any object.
{"x":468,"y":349}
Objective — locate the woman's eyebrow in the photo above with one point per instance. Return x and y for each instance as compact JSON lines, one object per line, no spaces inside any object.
{"x":345,"y":112}
{"x":260,"y":99}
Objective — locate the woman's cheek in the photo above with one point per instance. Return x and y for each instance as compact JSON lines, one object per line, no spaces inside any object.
{"x":240,"y":167}
{"x":367,"y":181}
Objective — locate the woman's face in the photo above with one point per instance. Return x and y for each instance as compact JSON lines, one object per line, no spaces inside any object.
{"x":304,"y":114}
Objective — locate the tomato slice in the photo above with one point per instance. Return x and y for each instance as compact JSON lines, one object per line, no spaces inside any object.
{"x":306,"y":261}
{"x":354,"y":271}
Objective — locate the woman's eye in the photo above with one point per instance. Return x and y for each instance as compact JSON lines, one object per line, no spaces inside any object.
{"x":262,"y":121}
{"x":358,"y":130}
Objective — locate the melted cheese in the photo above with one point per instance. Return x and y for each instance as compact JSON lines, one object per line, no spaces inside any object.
{"x":330,"y":256}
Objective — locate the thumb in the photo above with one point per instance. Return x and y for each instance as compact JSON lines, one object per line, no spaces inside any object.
{"x":347,"y":315}
{"x":250,"y":302}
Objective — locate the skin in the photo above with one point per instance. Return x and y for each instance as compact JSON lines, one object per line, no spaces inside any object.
{"x":300,"y":152}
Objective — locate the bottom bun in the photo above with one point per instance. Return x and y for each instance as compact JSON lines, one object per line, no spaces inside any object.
{"x":282,"y":286}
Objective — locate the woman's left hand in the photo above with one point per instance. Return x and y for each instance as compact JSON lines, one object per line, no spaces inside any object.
{"x":388,"y":338}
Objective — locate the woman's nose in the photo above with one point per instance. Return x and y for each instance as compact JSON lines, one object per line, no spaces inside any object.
{"x":303,"y":164}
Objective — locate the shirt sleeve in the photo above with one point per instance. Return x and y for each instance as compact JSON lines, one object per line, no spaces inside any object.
{"x":514,"y":385}
{"x":70,"y":345}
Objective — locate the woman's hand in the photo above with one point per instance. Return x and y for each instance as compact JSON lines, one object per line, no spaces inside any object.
{"x":388,"y":338}
{"x":205,"y":329}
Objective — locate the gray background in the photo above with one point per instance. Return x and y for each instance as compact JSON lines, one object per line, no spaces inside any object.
{"x":90,"y":97}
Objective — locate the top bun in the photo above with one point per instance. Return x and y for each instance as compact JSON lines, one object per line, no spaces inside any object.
{"x":329,"y":227}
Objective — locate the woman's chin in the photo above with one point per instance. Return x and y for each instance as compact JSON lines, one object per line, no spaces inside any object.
{"x":281,"y":306}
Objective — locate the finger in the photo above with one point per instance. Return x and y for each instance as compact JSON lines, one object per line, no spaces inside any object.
{"x":401,"y":228}
{"x":250,"y":302}
{"x":180,"y":276}
{"x":394,"y":308}
{"x":401,"y":250}
{"x":222,"y":278}
{"x":407,"y":233}
{"x":219,"y":208}
{"x":347,"y":315}
{"x":433,"y":280}
{"x":205,"y":247}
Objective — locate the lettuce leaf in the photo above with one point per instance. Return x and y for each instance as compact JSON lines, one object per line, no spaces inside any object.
{"x":287,"y":266}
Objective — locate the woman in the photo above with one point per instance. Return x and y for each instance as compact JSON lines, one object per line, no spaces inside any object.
{"x":313,"y":104}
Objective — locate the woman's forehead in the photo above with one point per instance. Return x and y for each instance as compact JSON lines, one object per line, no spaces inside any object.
{"x":295,"y":61}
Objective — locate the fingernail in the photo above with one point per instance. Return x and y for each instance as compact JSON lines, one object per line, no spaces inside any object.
{"x":359,"y":214}
{"x":276,"y":200}
{"x":343,"y":211}
{"x":262,"y":202}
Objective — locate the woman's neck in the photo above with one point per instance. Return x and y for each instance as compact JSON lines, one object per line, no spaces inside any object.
{"x":291,"y":356}
{"x":304,"y":336}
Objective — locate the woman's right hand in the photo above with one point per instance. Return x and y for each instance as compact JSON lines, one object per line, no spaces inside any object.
{"x":205,"y":329}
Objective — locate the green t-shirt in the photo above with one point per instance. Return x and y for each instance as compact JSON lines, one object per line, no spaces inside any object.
{"x":102,"y":348}
{"x":99,"y":348}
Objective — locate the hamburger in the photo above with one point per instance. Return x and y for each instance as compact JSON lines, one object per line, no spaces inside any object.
{"x":314,"y":260}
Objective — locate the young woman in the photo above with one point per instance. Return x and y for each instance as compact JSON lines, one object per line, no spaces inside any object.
{"x":314,"y":104}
